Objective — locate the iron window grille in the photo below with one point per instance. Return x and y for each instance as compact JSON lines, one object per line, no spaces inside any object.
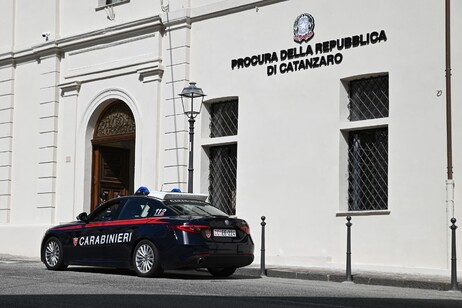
{"x":368,"y":170}
{"x":222,"y":177}
{"x":223,"y":119}
{"x":368,"y":98}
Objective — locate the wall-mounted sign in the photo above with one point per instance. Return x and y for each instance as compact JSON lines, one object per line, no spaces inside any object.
{"x":308,"y":56}
{"x":303,"y":28}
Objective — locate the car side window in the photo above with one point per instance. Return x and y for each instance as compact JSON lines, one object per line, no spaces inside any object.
{"x":160,"y":210}
{"x":142,"y":207}
{"x":108,"y":213}
{"x":136,"y":208}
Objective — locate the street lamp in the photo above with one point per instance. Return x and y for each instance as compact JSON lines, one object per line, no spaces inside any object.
{"x":191,"y":92}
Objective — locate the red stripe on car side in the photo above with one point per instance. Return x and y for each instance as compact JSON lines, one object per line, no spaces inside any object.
{"x":69,"y":228}
{"x":141,"y":221}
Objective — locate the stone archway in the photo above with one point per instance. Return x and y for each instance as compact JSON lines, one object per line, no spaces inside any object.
{"x":113,"y":153}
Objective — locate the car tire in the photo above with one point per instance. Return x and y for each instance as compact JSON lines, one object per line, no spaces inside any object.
{"x":53,"y":254}
{"x":222,"y":272}
{"x":146,"y":261}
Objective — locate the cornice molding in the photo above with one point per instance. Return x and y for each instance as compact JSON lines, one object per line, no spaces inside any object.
{"x":182,"y":18}
{"x":150,"y":74}
{"x":115,"y":43}
{"x":6,"y":60}
{"x":70,"y":88}
{"x":142,"y":26}
{"x":58,"y":46}
{"x":227,"y":7}
{"x":177,"y":19}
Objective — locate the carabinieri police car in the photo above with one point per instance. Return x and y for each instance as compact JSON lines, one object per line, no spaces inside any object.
{"x":150,"y":234}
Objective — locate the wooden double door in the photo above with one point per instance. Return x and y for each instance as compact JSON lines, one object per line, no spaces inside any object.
{"x":113,"y":152}
{"x":111,"y":171}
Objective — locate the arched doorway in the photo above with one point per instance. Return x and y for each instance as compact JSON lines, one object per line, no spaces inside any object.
{"x":113,"y":153}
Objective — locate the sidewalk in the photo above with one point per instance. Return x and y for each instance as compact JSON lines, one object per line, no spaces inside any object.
{"x":6,"y":258}
{"x":319,"y":274}
{"x":359,"y":277}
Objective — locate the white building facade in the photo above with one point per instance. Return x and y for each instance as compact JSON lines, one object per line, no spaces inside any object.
{"x":315,"y":111}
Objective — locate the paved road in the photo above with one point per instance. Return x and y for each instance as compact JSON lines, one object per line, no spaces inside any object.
{"x":29,"y":284}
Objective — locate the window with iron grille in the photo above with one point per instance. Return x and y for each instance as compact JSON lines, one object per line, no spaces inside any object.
{"x":368,"y":148}
{"x":223,"y":119}
{"x":222,"y":177}
{"x":368,"y":98}
{"x":368,"y":170}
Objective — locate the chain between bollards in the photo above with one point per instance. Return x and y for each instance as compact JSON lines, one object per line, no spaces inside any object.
{"x":348,"y":253}
{"x":454,"y":286}
{"x":262,"y":262}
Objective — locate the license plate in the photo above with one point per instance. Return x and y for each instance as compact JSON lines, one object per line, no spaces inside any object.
{"x":224,"y":233}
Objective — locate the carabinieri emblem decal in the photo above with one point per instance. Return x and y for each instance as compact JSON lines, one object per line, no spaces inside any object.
{"x":303,"y":28}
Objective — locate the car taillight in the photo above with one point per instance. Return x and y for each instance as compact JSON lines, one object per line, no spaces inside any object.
{"x":245,"y":228}
{"x":191,"y":228}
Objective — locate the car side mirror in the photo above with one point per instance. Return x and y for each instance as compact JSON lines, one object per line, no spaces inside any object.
{"x":83,"y":217}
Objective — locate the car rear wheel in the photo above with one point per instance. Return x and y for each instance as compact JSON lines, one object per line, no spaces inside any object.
{"x":222,"y":272}
{"x":53,"y":255}
{"x":146,"y":260}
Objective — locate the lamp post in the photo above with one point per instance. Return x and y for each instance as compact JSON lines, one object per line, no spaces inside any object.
{"x":188,"y":95}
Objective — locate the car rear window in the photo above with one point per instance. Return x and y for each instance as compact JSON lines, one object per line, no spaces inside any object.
{"x":194,"y":208}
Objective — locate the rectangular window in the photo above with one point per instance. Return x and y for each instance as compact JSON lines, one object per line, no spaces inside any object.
{"x":368,"y":170}
{"x":223,"y":119}
{"x":368,"y":147}
{"x":222,"y":177}
{"x":368,"y":98}
{"x":222,"y":153}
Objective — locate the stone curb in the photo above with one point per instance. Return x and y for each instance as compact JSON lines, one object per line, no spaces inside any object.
{"x":367,"y":278}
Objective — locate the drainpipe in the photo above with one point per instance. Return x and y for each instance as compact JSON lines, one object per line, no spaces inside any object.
{"x":449,"y":181}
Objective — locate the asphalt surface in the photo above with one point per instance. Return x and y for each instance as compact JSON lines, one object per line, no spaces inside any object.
{"x":418,"y":281}
{"x":25,"y":282}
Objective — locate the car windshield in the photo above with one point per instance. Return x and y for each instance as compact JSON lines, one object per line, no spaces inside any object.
{"x":194,"y":208}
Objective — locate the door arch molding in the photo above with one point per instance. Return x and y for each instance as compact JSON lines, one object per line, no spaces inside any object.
{"x":86,"y":129}
{"x":115,"y":122}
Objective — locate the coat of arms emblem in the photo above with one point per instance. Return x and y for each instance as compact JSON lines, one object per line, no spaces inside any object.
{"x":303,"y":28}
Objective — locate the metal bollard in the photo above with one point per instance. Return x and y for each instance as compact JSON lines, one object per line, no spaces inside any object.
{"x":348,"y":253}
{"x":454,"y":286}
{"x":262,"y":262}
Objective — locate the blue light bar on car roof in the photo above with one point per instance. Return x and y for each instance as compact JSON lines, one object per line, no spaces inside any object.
{"x":166,"y":195}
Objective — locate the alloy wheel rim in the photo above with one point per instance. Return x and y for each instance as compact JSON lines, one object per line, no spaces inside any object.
{"x":144,"y":258}
{"x":52,"y":253}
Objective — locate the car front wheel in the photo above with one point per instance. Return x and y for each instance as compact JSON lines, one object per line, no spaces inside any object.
{"x":222,"y":272}
{"x":53,"y":255}
{"x":146,"y":262}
